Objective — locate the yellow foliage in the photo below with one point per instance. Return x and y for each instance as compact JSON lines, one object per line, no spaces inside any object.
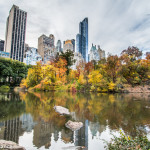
{"x":81,"y":79}
{"x":23,"y":83}
{"x":95,"y":77}
{"x":111,"y":86}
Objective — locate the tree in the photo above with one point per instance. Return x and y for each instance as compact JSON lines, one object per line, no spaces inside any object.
{"x":12,"y":71}
{"x":88,"y":67}
{"x":133,"y":52}
{"x":112,"y":67}
{"x":68,"y":56}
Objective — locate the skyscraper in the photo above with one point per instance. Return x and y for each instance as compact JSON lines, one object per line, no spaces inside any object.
{"x":78,"y":43}
{"x":68,"y":45}
{"x":82,"y":39}
{"x":52,"y":40}
{"x":46,"y":47}
{"x":58,"y":47}
{"x":73,"y":43}
{"x":2,"y":45}
{"x":15,"y":33}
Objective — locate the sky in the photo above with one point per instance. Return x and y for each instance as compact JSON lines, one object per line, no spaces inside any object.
{"x":113,"y":24}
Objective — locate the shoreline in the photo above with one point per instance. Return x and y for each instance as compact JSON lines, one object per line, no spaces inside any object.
{"x":136,"y":89}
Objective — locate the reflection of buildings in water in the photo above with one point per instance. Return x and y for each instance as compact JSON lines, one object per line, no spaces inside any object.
{"x":67,"y":135}
{"x":12,"y":128}
{"x":94,"y":127}
{"x":56,"y":135}
{"x":42,"y":134}
{"x":2,"y":129}
{"x":27,"y":123}
{"x":102,"y":128}
{"x":81,"y":136}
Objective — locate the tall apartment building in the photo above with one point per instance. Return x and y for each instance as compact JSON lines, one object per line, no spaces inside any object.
{"x":96,"y":53}
{"x":68,"y":45}
{"x":15,"y":33}
{"x":46,"y":47}
{"x":82,"y":39}
{"x":52,"y":40}
{"x":31,"y":56}
{"x":73,"y":43}
{"x":58,"y":47}
{"x":101,"y":53}
{"x":2,"y":45}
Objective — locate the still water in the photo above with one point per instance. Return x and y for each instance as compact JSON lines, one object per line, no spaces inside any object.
{"x":30,"y":120}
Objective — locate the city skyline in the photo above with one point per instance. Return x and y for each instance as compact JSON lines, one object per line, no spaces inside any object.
{"x":129,"y":21}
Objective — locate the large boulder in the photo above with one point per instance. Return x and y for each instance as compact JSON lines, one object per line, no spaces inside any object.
{"x":9,"y":145}
{"x":62,"y":110}
{"x":74,"y":125}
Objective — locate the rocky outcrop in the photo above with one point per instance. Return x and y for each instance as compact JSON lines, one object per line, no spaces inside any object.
{"x":137,"y":89}
{"x":9,"y":145}
{"x":62,"y":110}
{"x":74,"y":125}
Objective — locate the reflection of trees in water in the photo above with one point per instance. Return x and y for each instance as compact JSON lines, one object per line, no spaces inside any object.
{"x":10,"y":109}
{"x":10,"y":106}
{"x":115,"y":110}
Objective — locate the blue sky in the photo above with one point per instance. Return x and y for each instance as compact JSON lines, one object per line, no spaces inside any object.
{"x":113,"y":24}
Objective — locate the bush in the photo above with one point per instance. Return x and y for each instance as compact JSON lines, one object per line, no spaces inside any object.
{"x":140,"y":142}
{"x":4,"y":88}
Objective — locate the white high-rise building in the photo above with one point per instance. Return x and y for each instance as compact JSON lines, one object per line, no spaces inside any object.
{"x":96,"y":54}
{"x":31,"y":56}
{"x":15,"y":33}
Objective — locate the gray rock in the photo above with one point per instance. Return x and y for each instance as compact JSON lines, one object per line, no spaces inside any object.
{"x":9,"y":145}
{"x":74,"y":148}
{"x":74,"y":125}
{"x":147,"y":107}
{"x":62,"y":110}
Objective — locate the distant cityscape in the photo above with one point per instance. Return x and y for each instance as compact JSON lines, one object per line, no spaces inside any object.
{"x":14,"y":46}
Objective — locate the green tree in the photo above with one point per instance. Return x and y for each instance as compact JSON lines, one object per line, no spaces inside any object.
{"x":69,"y":57}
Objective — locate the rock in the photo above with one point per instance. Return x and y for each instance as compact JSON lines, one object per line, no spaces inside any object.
{"x":147,"y":107}
{"x":9,"y":145}
{"x":74,"y":148}
{"x":74,"y":125}
{"x":62,"y":110}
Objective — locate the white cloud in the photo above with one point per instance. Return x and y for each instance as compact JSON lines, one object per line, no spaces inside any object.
{"x":114,"y":24}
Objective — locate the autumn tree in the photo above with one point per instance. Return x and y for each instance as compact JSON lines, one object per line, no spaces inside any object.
{"x":69,"y":57}
{"x":133,"y":52}
{"x":112,"y":67}
{"x":88,"y":67}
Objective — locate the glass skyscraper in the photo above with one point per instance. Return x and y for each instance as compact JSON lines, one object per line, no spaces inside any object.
{"x":82,"y":39}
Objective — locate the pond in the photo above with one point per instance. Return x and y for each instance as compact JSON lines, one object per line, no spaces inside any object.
{"x":30,"y":120}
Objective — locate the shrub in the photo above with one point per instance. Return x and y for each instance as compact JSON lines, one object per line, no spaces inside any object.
{"x":4,"y":88}
{"x":140,"y":142}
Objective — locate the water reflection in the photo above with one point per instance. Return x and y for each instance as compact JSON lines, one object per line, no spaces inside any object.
{"x":27,"y":112}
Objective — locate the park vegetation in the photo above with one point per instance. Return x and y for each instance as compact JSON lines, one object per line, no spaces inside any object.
{"x":108,"y":75}
{"x":124,"y":142}
{"x":12,"y":72}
